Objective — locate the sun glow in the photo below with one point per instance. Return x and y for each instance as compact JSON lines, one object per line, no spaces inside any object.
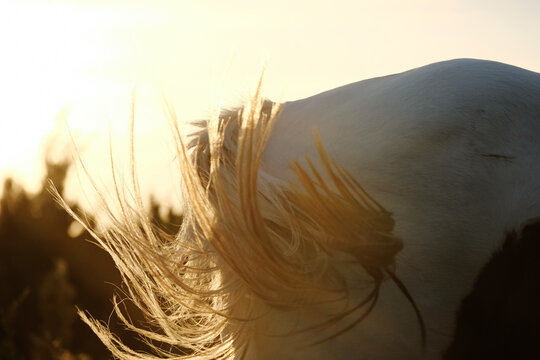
{"x":69,"y":64}
{"x":46,"y":65}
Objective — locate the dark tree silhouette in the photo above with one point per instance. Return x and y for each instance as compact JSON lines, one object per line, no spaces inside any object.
{"x":45,"y":274}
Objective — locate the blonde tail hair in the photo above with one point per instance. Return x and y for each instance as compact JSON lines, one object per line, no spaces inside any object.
{"x":247,"y":243}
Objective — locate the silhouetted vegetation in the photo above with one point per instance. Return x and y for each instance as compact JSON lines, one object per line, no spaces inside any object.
{"x":45,"y":274}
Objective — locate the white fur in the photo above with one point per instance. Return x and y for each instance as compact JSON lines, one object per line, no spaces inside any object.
{"x":452,"y":149}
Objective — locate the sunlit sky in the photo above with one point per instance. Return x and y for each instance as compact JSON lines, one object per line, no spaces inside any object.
{"x":76,"y":61}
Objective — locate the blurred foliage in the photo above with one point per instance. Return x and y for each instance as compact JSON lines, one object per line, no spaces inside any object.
{"x":45,"y":274}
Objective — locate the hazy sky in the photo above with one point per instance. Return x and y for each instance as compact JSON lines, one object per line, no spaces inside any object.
{"x":81,"y":58}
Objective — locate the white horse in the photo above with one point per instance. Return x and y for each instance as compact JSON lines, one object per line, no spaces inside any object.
{"x":357,"y":241}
